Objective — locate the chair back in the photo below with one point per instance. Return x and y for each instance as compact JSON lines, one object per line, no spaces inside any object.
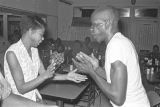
{"x":154,"y":98}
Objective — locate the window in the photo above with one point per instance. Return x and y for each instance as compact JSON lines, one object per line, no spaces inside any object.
{"x":146,"y":12}
{"x":87,"y":12}
{"x":124,"y":12}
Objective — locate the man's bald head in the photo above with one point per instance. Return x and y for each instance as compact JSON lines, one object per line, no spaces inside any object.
{"x":106,"y":13}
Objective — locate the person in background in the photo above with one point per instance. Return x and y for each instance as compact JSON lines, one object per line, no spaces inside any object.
{"x":155,"y":52}
{"x":58,"y":42}
{"x":47,"y":44}
{"x":23,"y":68}
{"x":46,"y":48}
{"x":58,"y":55}
{"x":77,"y":47}
{"x":14,"y":37}
{"x":4,"y":44}
{"x":120,"y":81}
{"x":68,"y":54}
{"x":87,"y":48}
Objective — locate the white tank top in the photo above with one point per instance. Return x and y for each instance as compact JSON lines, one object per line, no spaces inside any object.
{"x":29,"y":66}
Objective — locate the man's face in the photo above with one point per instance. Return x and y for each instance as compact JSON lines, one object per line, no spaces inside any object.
{"x":99,"y":28}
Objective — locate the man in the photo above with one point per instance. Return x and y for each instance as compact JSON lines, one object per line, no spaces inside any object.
{"x":155,"y":54}
{"x":121,"y":79}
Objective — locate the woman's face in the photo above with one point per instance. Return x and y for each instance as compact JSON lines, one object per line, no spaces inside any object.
{"x":37,"y":36}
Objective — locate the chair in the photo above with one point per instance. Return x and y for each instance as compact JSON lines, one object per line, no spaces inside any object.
{"x":157,"y":89}
{"x":154,"y":98}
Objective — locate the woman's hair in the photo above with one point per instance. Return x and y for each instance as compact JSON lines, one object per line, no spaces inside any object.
{"x":33,"y":22}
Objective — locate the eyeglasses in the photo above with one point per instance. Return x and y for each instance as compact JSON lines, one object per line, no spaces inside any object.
{"x":97,"y":25}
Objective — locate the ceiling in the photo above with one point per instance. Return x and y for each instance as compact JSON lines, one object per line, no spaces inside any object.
{"x":117,"y":2}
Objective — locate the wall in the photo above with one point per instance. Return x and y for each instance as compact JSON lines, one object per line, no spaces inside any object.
{"x":132,"y":25}
{"x":47,"y":7}
{"x":65,"y":14}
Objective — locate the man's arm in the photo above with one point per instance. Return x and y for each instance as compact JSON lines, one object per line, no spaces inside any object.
{"x":101,"y":72}
{"x":116,"y":90}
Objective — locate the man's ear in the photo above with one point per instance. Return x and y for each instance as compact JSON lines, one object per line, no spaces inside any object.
{"x":108,"y":22}
{"x":107,"y":25}
{"x":30,"y":31}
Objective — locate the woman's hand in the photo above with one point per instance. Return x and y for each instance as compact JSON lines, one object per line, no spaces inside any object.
{"x":75,"y":77}
{"x":50,"y":71}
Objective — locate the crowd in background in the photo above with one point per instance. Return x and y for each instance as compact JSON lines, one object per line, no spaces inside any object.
{"x":62,"y":53}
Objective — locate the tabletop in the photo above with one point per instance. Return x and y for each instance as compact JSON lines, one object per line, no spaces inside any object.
{"x":64,"y":90}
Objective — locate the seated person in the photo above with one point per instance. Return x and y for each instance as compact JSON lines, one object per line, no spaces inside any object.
{"x":58,"y":55}
{"x":155,"y":54}
{"x":68,"y":55}
{"x":77,"y":47}
{"x":8,"y":99}
{"x":87,"y":48}
{"x":24,"y":69}
{"x":58,"y":42}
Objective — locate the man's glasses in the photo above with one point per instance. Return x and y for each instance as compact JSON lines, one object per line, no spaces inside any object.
{"x":97,"y":25}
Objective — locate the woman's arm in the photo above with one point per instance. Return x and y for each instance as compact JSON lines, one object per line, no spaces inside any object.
{"x":16,"y":71}
{"x":18,"y":101}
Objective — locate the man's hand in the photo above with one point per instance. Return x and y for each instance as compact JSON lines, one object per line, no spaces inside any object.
{"x":84,"y":66}
{"x":75,"y":77}
{"x":92,"y":59}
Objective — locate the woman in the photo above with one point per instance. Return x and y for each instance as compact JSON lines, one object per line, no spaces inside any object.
{"x":8,"y":99}
{"x":22,"y":66}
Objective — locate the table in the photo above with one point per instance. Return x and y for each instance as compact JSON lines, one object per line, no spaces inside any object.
{"x":63,"y":90}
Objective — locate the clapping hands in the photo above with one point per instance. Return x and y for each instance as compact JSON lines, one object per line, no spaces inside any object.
{"x":86,"y":64}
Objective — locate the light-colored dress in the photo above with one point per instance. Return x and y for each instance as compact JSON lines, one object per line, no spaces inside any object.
{"x":121,"y":48}
{"x":29,"y":66}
